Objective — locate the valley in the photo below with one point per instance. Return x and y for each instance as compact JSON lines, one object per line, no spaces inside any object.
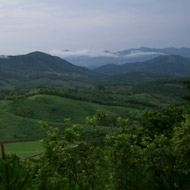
{"x":50,"y":106}
{"x":39,"y":87}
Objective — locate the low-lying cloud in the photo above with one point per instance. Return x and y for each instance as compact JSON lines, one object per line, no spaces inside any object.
{"x":84,"y":52}
{"x":88,"y":53}
{"x":141,"y":53}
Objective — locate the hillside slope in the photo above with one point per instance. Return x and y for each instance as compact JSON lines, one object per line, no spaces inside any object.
{"x":10,"y":80}
{"x":133,"y":78}
{"x":19,"y":117}
{"x":171,"y":65}
{"x":37,"y":69}
{"x":40,"y":62}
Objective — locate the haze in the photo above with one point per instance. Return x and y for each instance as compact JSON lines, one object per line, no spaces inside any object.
{"x":92,"y":25}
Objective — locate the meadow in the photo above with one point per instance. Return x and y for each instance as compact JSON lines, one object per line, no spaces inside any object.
{"x":24,"y":149}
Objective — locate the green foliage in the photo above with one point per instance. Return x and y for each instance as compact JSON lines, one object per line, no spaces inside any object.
{"x":69,"y":164}
{"x":135,"y":157}
{"x":98,"y":119}
{"x":181,"y":141}
{"x":122,"y":122}
{"x":104,"y":153}
{"x":187,"y":84}
{"x":126,"y":161}
{"x":136,"y":154}
{"x":13,"y":174}
{"x":73,"y":134}
{"x":159,"y":122}
{"x":161,"y":163}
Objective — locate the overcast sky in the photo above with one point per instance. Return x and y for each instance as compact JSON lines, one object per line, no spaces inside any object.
{"x":50,"y":25}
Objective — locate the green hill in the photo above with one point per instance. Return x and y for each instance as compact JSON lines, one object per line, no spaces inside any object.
{"x":19,"y":118}
{"x":37,"y":68}
{"x":40,"y":62}
{"x":54,"y":109}
{"x":152,"y":94}
{"x":173,"y":65}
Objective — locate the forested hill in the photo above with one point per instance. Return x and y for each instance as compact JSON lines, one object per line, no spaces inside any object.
{"x":40,"y":62}
{"x":133,"y":78}
{"x":171,"y":65}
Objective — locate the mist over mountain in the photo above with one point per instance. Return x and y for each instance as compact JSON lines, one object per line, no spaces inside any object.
{"x":92,"y":59}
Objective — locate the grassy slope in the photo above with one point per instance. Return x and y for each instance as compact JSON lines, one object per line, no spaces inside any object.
{"x":20,"y":119}
{"x":24,"y":149}
{"x":55,"y":109}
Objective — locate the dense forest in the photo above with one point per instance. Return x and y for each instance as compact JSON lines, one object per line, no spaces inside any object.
{"x":151,"y":153}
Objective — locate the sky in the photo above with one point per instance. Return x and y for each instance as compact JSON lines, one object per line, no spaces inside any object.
{"x":92,"y":25}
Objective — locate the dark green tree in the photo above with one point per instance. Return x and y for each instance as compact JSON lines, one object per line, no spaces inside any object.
{"x":14,"y":174}
{"x":187,"y":84}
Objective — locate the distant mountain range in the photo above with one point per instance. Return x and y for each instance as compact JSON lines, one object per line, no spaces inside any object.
{"x":37,"y":68}
{"x":173,"y":65}
{"x":96,"y":59}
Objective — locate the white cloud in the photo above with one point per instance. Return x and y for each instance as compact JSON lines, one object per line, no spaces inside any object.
{"x":141,"y":53}
{"x":84,"y":52}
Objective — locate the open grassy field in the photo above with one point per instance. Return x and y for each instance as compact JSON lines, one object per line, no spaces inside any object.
{"x":24,"y":149}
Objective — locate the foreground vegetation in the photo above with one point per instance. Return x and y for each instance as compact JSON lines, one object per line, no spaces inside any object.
{"x":151,"y":155}
{"x":118,"y":148}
